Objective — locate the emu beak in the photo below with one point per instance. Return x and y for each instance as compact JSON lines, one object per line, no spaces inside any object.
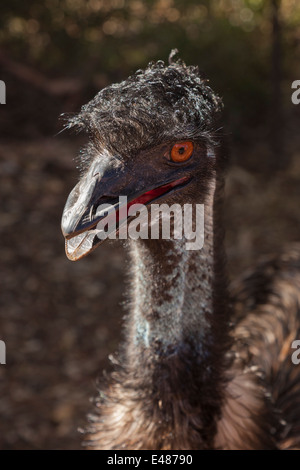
{"x":97,"y":196}
{"x":81,"y":212}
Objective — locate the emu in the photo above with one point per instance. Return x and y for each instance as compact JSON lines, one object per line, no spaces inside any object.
{"x":202,"y":367}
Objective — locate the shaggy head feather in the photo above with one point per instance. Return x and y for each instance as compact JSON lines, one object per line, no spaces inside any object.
{"x":161,"y":103}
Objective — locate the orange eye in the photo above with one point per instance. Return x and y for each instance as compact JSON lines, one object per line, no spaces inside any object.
{"x":182,"y":151}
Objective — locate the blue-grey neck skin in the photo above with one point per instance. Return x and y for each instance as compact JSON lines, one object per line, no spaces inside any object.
{"x":173,"y":291}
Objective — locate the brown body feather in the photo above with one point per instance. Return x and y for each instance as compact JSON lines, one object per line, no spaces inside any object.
{"x":261,"y":399}
{"x":267,"y":321}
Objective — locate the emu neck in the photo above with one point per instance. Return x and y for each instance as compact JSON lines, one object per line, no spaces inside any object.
{"x":176,"y":297}
{"x":173,"y":295}
{"x":178,"y":337}
{"x":170,"y":389}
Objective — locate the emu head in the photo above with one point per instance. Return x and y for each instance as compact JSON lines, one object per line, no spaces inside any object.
{"x":152,"y":137}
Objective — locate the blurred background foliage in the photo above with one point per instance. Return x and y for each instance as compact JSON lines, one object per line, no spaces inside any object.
{"x":91,"y":43}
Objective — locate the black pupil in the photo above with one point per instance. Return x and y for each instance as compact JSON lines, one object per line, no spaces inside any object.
{"x":181,"y":150}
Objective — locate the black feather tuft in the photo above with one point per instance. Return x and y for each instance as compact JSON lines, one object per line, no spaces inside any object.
{"x":157,"y":104}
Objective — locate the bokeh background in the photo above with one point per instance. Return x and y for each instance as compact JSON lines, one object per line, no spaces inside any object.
{"x":60,"y":320}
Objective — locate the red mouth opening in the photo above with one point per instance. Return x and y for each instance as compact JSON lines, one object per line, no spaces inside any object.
{"x":155,"y":193}
{"x":82,"y":244}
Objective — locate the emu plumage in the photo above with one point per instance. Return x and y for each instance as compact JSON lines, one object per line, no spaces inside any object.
{"x":200,"y":369}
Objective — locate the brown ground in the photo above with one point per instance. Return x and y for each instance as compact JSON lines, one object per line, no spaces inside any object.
{"x":61,"y":320}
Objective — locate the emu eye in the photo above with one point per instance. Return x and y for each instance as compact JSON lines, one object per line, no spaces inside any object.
{"x":182,"y":151}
